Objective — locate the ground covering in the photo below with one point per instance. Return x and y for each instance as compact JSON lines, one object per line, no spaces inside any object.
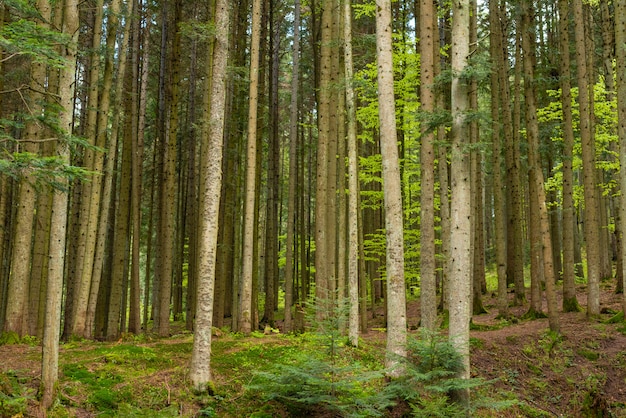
{"x":579,"y":373}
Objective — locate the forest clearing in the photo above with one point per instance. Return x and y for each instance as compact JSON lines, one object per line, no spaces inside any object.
{"x":581,"y":373}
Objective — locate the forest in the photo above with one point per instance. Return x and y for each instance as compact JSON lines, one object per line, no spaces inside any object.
{"x":312,"y":208}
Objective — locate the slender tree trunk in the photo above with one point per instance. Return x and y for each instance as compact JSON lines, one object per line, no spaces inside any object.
{"x":496,"y":49}
{"x":137,"y":124}
{"x":620,"y":55}
{"x":570,"y":303}
{"x":108,"y":171}
{"x":515,"y":233}
{"x":461,"y":223}
{"x":396,"y":298}
{"x":293,"y":148}
{"x":353,"y":181}
{"x":428,"y":286}
{"x":211,"y":175}
{"x":167,"y":233}
{"x":246,"y":311}
{"x":52,"y":328}
{"x":478,"y":230}
{"x":322,"y":254}
{"x":273,"y":176}
{"x":536,"y":174}
{"x":592,"y":216}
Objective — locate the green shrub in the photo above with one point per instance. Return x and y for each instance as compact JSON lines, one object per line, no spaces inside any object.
{"x":324,"y":376}
{"x":431,"y":366}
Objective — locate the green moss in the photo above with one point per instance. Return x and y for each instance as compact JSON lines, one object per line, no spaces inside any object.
{"x":9,"y":337}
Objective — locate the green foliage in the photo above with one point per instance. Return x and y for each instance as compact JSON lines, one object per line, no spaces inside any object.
{"x":25,"y":37}
{"x":431,"y":366}
{"x":10,"y":337}
{"x":326,"y":376}
{"x":45,"y":170}
{"x":13,"y":399}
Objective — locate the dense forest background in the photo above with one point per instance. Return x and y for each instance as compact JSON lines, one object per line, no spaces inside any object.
{"x":229,"y":165}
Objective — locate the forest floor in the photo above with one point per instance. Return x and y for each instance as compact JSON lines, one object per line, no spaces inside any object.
{"x":579,"y":373}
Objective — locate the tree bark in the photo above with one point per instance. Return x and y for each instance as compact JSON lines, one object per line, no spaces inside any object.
{"x":496,"y":45}
{"x":246,"y":312}
{"x":591,"y":213}
{"x":535,"y":172}
{"x":461,"y":223}
{"x":211,"y":179}
{"x":396,"y":298}
{"x":620,"y":55}
{"x":570,"y":303}
{"x":293,"y":177}
{"x":428,"y":279}
{"x":50,"y":343}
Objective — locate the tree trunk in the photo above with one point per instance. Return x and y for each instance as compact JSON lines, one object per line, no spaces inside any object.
{"x":50,"y":343}
{"x":570,"y":303}
{"x":109,"y":168}
{"x":496,"y":49}
{"x":293,"y":145}
{"x":353,"y":182}
{"x":396,"y":298}
{"x":322,"y":254}
{"x":461,"y":223}
{"x":246,"y":311}
{"x":428,"y":278}
{"x":211,"y":179}
{"x":138,"y":128}
{"x":592,"y":219}
{"x":515,"y":233}
{"x":535,"y":172}
{"x":479,"y":284}
{"x":620,"y":55}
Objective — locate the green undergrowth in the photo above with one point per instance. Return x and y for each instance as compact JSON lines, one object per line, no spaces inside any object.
{"x":254,"y":376}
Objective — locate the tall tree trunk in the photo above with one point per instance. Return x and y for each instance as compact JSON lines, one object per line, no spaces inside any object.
{"x":50,"y":343}
{"x":535,"y":172}
{"x":246,"y":310}
{"x":461,"y":222}
{"x":138,"y":128}
{"x":91,"y":192}
{"x":428,"y":284}
{"x":322,"y":254}
{"x":167,"y":233}
{"x":515,"y":233}
{"x":479,"y":283}
{"x":570,"y":303}
{"x":496,"y":49}
{"x":353,"y":182}
{"x":592,"y":216}
{"x":396,"y":298}
{"x":293,"y":177}
{"x":109,"y":168}
{"x":16,"y":315}
{"x":210,"y":186}
{"x":620,"y":55}
{"x":273,"y":175}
